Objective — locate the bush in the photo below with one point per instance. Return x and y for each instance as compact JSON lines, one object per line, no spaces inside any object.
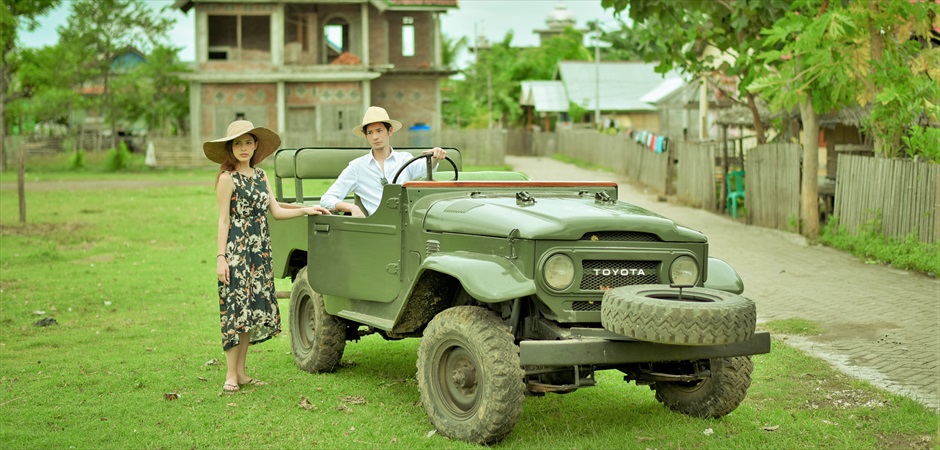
{"x":118,"y":159}
{"x":870,"y":244}
{"x":77,"y":161}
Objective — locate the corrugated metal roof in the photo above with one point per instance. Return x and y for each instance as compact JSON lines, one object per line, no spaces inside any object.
{"x":546,"y":96}
{"x":622,"y":84}
{"x":665,"y":88}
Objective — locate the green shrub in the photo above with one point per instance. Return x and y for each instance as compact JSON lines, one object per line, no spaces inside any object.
{"x":923,"y":141}
{"x":870,"y":244}
{"x":77,"y":161}
{"x":118,"y":159}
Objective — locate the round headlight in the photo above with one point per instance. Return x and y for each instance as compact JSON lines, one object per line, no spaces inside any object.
{"x":558,"y":271}
{"x":684,"y":271}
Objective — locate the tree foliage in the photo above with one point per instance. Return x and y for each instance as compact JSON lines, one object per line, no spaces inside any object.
{"x":100,"y":30}
{"x":900,"y":71}
{"x":490,"y":90}
{"x":154,"y":93}
{"x":678,"y":33}
{"x":624,"y":43}
{"x":12,"y":16}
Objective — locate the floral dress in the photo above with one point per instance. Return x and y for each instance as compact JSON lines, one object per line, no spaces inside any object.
{"x":249,"y":302}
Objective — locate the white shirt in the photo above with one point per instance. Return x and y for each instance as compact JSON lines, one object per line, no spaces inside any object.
{"x":363,"y":176}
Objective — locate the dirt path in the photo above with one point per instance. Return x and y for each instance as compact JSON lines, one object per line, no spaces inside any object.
{"x":879,"y":324}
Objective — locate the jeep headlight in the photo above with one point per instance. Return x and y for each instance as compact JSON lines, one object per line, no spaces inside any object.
{"x":683,"y":272}
{"x":558,"y":271}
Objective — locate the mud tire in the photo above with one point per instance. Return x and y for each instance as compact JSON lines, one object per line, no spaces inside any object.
{"x":317,"y":338}
{"x":712,"y":397}
{"x":654,"y":313}
{"x":469,"y":376}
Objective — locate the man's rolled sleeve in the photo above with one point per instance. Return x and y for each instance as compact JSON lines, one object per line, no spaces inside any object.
{"x":340,"y":188}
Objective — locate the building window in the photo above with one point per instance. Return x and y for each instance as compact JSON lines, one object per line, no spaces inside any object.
{"x":336,"y":38}
{"x":407,"y":36}
{"x":239,"y":37}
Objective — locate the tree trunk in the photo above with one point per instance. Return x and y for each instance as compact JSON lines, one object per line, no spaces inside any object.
{"x":758,"y":124}
{"x":21,"y":178}
{"x":3,"y":129}
{"x":809,"y":190}
{"x":3,"y":112}
{"x":111,"y":120}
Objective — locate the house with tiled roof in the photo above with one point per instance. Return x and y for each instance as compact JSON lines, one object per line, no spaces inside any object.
{"x":310,"y":68}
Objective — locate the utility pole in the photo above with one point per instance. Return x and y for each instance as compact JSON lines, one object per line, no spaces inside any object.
{"x":489,"y":95}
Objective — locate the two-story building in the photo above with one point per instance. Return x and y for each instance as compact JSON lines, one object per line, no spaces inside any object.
{"x":310,"y":68}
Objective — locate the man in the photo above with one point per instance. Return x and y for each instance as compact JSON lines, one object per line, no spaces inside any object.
{"x":368,"y":174}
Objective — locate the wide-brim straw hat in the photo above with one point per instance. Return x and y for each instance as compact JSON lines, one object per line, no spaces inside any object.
{"x":376,"y":114}
{"x":268,"y":142}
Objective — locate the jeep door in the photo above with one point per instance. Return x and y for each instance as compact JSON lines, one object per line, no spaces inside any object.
{"x":357,"y":258}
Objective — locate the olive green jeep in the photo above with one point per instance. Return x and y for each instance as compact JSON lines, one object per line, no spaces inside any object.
{"x":515,"y":288}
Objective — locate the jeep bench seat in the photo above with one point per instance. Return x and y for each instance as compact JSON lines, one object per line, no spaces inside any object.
{"x":326,"y":163}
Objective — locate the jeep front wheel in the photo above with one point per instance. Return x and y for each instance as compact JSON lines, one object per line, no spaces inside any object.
{"x":469,"y":375}
{"x":317,"y":338}
{"x":711,"y":397}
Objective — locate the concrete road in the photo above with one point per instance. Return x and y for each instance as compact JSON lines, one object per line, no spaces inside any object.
{"x":879,"y":324}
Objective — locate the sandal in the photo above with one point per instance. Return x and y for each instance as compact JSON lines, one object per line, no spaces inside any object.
{"x":253,"y":382}
{"x":229,"y":388}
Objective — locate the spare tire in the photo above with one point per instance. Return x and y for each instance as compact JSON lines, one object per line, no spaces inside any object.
{"x":692,"y":316}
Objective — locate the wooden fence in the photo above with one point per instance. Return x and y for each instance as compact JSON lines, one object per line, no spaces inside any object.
{"x":617,"y":152}
{"x":903,"y":194}
{"x":772,"y":186}
{"x":695,"y":174}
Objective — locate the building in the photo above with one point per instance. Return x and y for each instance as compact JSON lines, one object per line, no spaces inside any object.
{"x":556,"y":22}
{"x":310,"y":68}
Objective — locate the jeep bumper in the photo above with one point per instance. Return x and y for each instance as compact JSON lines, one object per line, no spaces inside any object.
{"x":575,"y":352}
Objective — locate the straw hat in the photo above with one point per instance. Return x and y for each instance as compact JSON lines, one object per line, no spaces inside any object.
{"x":268,"y":142}
{"x":376,"y":114}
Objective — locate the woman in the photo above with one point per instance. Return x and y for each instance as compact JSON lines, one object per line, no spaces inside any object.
{"x":247,"y":298}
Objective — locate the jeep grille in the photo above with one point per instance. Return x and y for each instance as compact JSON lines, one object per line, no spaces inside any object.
{"x":604,"y":274}
{"x":586,"y":306}
{"x":622,"y":236}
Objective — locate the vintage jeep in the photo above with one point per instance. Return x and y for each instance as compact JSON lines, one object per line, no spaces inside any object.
{"x":515,"y":287}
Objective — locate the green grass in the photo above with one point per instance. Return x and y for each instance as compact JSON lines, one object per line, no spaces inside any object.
{"x":870,"y":245}
{"x":128,"y":274}
{"x":793,"y":326}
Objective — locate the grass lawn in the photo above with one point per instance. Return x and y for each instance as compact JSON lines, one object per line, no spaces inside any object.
{"x":129,"y":275}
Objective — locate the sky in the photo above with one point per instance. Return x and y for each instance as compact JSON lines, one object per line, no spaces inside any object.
{"x":489,"y":18}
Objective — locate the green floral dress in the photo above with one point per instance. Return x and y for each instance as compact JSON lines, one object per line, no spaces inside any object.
{"x":249,"y":302}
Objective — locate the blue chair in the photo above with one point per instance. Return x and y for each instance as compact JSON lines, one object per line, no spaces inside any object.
{"x":735,"y":191}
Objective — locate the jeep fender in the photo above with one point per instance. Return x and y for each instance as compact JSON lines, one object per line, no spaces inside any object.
{"x":723,"y":277}
{"x":487,"y":278}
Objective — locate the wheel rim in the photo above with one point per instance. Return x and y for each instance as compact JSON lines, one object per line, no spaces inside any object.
{"x":306,"y":323}
{"x":457,"y":379}
{"x":691,"y":297}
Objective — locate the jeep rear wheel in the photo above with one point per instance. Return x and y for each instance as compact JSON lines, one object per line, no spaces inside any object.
{"x":317,"y":338}
{"x":711,"y":397}
{"x":699,"y":316}
{"x":469,"y":375}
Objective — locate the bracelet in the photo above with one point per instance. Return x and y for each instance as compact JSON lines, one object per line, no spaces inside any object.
{"x":220,"y":254}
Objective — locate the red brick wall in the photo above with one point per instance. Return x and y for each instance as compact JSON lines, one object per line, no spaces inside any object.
{"x":408,"y":98}
{"x":235,"y":97}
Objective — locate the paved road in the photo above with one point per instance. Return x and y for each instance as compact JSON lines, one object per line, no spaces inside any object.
{"x":878,"y":324}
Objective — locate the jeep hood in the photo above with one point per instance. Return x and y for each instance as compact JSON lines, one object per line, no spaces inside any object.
{"x":556,"y":218}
